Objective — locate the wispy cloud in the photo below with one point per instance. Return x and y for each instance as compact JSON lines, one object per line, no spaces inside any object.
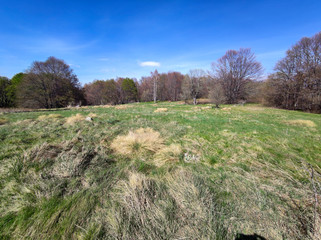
{"x":149,"y":64}
{"x":54,"y":45}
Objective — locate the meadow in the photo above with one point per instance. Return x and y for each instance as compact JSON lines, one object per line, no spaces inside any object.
{"x":160,"y":171}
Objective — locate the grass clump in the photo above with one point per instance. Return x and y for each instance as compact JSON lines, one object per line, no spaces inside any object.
{"x":124,"y":106}
{"x":161,"y":110}
{"x":168,"y":154}
{"x":3,"y":121}
{"x":74,"y":119}
{"x":49,"y":116}
{"x":301,"y":122}
{"x":142,"y":140}
{"x":92,"y":115}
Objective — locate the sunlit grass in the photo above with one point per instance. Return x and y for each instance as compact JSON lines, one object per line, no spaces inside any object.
{"x":133,"y":173}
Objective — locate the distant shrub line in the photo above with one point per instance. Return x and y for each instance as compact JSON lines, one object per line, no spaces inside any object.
{"x":234,"y":78}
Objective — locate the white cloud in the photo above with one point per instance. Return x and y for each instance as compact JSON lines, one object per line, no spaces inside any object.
{"x":149,"y":64}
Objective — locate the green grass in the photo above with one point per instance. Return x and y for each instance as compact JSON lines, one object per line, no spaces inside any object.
{"x":241,"y":170}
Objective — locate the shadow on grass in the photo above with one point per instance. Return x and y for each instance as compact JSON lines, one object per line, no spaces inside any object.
{"x":254,"y":236}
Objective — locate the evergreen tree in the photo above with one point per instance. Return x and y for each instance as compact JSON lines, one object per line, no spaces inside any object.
{"x":129,"y":90}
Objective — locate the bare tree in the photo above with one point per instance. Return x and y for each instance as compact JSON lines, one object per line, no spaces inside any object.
{"x":102,"y":92}
{"x":297,"y":81}
{"x":155,"y":77}
{"x":216,"y":94}
{"x":192,"y":85}
{"x":145,"y":89}
{"x":234,"y":70}
{"x":174,"y":85}
{"x":168,"y":86}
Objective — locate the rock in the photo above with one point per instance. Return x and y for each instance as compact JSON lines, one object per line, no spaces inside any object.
{"x":89,"y":119}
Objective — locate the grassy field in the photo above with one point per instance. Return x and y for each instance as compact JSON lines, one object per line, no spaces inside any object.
{"x":160,"y":171}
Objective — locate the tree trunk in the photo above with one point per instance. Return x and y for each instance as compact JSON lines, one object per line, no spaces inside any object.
{"x":194,"y":101}
{"x":155,"y":89}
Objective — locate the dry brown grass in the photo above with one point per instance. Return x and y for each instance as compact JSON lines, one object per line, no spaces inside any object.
{"x":301,"y":122}
{"x":144,"y":202}
{"x":123,"y":106}
{"x":136,"y":180}
{"x":161,"y":110}
{"x":3,"y":121}
{"x":142,"y":140}
{"x":196,"y":108}
{"x":200,"y":101}
{"x":226,"y":109}
{"x":255,"y":108}
{"x":75,"y":118}
{"x":102,"y":106}
{"x":49,"y":116}
{"x":92,"y":115}
{"x":14,"y":110}
{"x":180,"y":103}
{"x":106,"y":106}
{"x":168,"y":154}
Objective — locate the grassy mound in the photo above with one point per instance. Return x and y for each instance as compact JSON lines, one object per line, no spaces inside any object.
{"x":138,"y":141}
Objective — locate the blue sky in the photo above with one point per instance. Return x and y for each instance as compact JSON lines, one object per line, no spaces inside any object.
{"x":108,"y":39}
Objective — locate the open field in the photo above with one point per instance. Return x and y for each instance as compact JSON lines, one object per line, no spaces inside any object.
{"x":160,"y":171}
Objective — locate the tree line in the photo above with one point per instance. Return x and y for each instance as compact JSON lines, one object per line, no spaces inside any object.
{"x":235,"y":77}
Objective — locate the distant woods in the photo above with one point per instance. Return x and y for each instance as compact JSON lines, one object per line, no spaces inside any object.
{"x":236,"y":77}
{"x":121,"y":90}
{"x":296,"y":84}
